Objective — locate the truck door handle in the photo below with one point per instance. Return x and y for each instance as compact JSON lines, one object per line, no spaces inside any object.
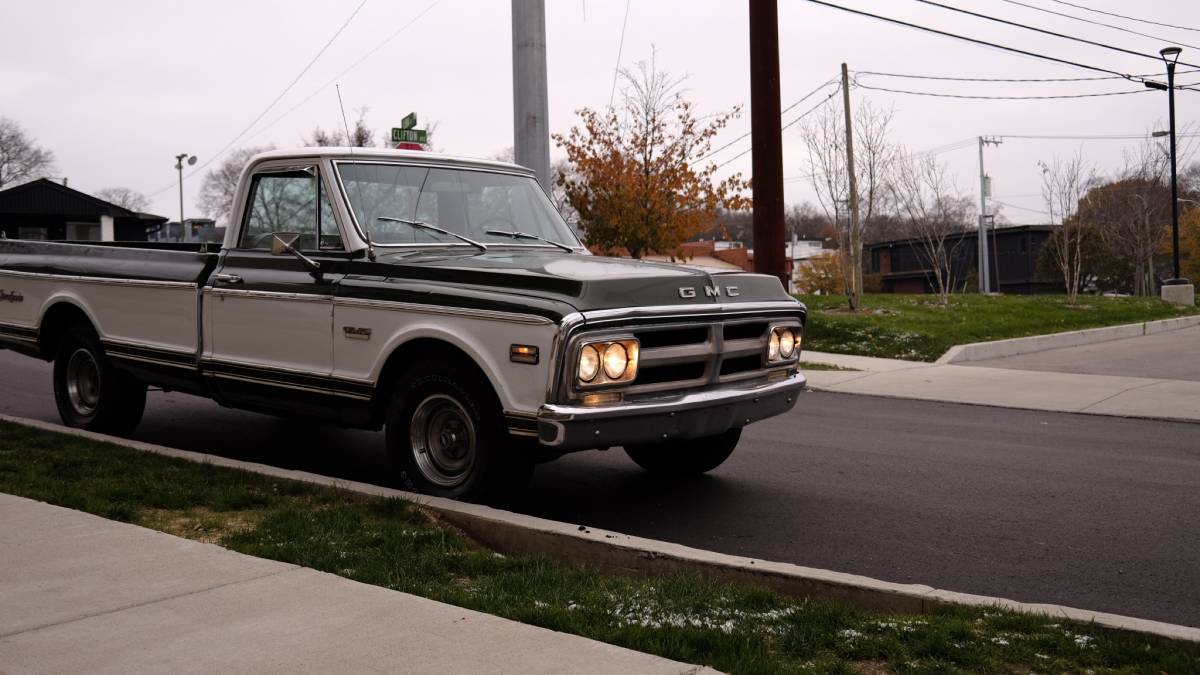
{"x":227,"y":278}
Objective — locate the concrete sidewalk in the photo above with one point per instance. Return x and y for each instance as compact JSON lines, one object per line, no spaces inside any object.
{"x":1034,"y":390}
{"x":80,"y":593}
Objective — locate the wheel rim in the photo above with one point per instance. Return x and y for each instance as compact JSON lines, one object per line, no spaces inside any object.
{"x":83,"y":382}
{"x":443,"y":441}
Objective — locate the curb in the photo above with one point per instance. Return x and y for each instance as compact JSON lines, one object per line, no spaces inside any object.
{"x":979,"y":351}
{"x":515,"y":533}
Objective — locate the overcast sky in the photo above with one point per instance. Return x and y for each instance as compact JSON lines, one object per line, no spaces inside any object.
{"x":117,"y":89}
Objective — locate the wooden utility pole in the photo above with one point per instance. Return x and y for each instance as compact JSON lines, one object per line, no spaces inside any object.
{"x":766,"y":139}
{"x":854,"y":257}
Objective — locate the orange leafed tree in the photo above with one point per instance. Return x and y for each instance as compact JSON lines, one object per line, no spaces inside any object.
{"x":636,"y":178}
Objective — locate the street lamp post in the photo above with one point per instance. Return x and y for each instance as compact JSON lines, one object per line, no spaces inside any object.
{"x":1170,"y":55}
{"x":179,"y":159}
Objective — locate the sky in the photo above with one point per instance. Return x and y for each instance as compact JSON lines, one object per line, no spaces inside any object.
{"x":118,"y":89}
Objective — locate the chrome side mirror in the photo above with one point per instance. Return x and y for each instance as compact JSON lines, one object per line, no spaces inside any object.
{"x":283,"y":243}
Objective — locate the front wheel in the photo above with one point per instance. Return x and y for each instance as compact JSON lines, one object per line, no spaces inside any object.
{"x":685,"y":457}
{"x":90,"y":393}
{"x":446,"y":436}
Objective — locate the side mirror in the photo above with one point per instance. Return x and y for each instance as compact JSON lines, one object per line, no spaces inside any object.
{"x":283,"y":243}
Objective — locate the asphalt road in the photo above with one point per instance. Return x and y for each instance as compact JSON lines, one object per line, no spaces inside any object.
{"x":1093,"y":512}
{"x":1174,"y":355}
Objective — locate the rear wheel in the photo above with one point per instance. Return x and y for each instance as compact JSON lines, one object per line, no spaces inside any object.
{"x":446,"y":436}
{"x":90,"y":393}
{"x":685,"y":457}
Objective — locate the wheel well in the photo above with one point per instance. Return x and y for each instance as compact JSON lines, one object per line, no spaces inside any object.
{"x":417,"y":351}
{"x":54,"y":325}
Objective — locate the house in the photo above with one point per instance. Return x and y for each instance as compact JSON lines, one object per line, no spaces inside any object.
{"x":903,"y":266}
{"x":44,"y":209}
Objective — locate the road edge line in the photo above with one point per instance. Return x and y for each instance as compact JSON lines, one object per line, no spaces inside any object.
{"x":521,"y":534}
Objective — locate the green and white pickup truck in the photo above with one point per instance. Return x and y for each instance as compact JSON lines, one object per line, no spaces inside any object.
{"x":440,"y":298}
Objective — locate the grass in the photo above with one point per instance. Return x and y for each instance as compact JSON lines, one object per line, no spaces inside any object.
{"x":809,"y":365}
{"x":916,"y":327}
{"x":394,"y":544}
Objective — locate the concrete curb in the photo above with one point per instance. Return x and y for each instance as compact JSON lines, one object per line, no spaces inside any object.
{"x":979,"y":351}
{"x":520,"y":534}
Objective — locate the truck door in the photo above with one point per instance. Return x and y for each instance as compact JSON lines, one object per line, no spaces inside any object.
{"x":269,"y":318}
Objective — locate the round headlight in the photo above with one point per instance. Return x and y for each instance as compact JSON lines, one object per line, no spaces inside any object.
{"x":773,"y":349}
{"x":787,"y":343}
{"x":615,"y":361}
{"x":589,"y":363}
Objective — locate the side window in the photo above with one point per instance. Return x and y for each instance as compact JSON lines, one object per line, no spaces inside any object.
{"x":289,"y":201}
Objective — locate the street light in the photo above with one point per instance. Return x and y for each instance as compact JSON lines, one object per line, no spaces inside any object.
{"x":1170,"y":55}
{"x":191,"y":160}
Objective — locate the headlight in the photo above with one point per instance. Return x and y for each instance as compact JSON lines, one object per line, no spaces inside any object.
{"x":589,"y":363}
{"x":783,"y":344}
{"x":612,"y":361}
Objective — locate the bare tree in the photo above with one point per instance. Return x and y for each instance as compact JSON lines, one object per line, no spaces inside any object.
{"x":1064,"y":184}
{"x":361,"y":136}
{"x":825,"y":138}
{"x":21,"y":158}
{"x":220,"y":184}
{"x":125,"y":198}
{"x":927,"y":199}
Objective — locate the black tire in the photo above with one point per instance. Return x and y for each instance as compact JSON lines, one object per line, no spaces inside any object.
{"x":452,"y":412}
{"x":90,"y":393}
{"x":685,"y":457}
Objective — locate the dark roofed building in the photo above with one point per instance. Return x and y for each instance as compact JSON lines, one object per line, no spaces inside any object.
{"x":43,"y":209}
{"x":903,"y":266}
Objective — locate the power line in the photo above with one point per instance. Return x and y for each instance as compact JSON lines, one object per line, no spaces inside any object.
{"x":1043,"y":31}
{"x":785,"y":110}
{"x":1122,"y":16}
{"x":956,"y":145}
{"x":1010,"y":79}
{"x":1000,"y":98}
{"x":276,"y":100}
{"x":620,"y":48}
{"x":781,"y":129}
{"x":985,"y":43}
{"x":1098,"y":23}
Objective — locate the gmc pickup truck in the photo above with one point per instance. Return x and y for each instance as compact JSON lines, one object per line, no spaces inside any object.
{"x":442,"y":299}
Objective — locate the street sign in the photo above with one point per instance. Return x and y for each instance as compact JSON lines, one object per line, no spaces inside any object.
{"x":409,"y":121}
{"x":402,"y":135}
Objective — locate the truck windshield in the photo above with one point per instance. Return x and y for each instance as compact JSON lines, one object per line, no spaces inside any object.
{"x":483,"y":206}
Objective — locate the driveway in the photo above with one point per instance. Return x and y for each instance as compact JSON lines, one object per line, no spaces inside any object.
{"x":1174,"y":355}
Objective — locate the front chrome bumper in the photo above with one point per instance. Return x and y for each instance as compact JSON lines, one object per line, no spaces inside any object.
{"x":567,"y":427}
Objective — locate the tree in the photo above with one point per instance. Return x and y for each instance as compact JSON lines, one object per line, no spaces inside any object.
{"x":804,"y":220}
{"x":125,"y":198}
{"x":825,"y":138}
{"x":1131,"y":216}
{"x":638,"y":182}
{"x":220,"y":184}
{"x":360,"y":136}
{"x":21,"y":158}
{"x":930,"y":204}
{"x":1189,"y":244}
{"x":822,"y":274}
{"x":1064,"y":183}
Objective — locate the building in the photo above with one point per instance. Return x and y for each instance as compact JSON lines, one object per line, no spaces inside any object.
{"x":903,"y":267}
{"x":44,"y":209}
{"x":193,"y":230}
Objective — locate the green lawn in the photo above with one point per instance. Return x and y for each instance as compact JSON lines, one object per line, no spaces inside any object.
{"x":916,"y":327}
{"x":394,"y":544}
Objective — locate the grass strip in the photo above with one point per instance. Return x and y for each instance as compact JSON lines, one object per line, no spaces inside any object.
{"x":394,"y":544}
{"x":809,"y":365}
{"x":916,"y":327}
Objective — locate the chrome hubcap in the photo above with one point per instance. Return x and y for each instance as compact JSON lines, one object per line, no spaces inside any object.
{"x":83,"y":382}
{"x":443,"y":441}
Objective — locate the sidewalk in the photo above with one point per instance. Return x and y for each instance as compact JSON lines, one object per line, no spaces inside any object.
{"x":1034,"y":390}
{"x":80,"y":593}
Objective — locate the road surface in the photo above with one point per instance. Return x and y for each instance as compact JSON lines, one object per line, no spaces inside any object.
{"x":1088,"y":511}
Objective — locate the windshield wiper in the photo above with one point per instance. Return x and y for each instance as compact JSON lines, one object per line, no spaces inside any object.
{"x":426,"y":226}
{"x":525,"y":235}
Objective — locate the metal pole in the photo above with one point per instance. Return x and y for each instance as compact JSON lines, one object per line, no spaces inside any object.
{"x":984,"y":271}
{"x":766,"y":139}
{"x":1174,"y":178}
{"x":855,"y":241}
{"x":531,"y":127}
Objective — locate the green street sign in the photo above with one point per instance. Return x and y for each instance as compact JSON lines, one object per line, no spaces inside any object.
{"x":409,"y":121}
{"x":409,"y":135}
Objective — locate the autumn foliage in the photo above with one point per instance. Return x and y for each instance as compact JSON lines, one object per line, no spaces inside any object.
{"x":822,"y":274}
{"x":636,"y":178}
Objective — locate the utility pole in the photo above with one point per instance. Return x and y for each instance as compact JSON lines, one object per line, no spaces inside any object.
{"x":984,"y":266}
{"x":531,"y":126}
{"x":855,"y":256}
{"x":766,"y":140}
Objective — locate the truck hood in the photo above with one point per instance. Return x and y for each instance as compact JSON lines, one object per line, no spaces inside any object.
{"x":585,"y":282}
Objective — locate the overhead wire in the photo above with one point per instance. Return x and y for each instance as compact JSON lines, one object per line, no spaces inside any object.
{"x":1097,"y":23}
{"x":1122,"y":16}
{"x":802,"y":99}
{"x":620,"y":48}
{"x":799,"y":117}
{"x":1001,"y":98}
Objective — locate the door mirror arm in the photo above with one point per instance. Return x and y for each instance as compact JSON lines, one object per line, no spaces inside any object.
{"x":283,"y":243}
